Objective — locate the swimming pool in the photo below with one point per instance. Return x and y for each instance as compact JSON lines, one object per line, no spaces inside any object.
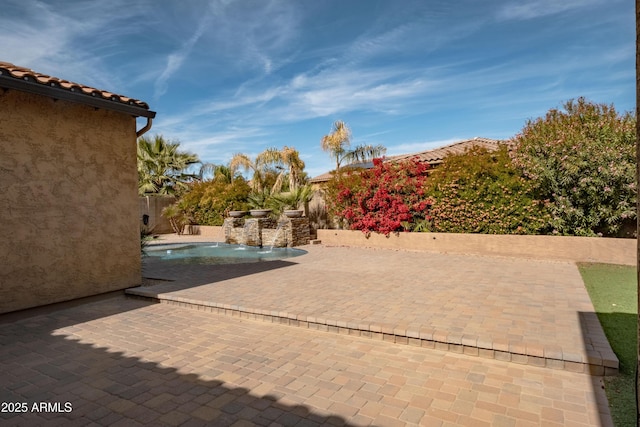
{"x":217,"y":253}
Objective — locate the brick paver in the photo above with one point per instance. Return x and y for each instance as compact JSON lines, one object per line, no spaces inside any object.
{"x":524,"y":311}
{"x":131,"y":362}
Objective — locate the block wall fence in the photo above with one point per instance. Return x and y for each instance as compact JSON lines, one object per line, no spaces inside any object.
{"x":561,"y":248}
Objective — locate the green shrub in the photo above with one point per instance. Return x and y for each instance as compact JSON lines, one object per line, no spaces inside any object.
{"x":583,"y":160}
{"x":290,"y":199}
{"x":483,"y":192}
{"x":207,"y":203}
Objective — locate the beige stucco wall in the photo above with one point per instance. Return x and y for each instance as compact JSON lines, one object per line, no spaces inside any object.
{"x":70,"y":214}
{"x":215,"y":232}
{"x":153,"y":206}
{"x":565,"y":248}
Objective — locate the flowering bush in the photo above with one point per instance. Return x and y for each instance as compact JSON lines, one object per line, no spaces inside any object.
{"x":582,"y":160}
{"x":483,"y":192}
{"x":385,"y":199}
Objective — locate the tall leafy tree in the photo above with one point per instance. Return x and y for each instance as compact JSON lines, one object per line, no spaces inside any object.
{"x":162,"y":166}
{"x":582,"y":159}
{"x":338,"y":145}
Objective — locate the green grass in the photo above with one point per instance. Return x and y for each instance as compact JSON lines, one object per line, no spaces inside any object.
{"x":613,"y":291}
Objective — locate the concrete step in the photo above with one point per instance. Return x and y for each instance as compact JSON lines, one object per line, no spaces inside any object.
{"x":601,"y":362}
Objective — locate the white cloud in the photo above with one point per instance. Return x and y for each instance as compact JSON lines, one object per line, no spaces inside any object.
{"x":253,"y":36}
{"x":340,"y":91}
{"x":531,"y":9}
{"x":177,"y":57}
{"x":306,"y":96}
{"x":212,"y":143}
{"x":67,"y":40}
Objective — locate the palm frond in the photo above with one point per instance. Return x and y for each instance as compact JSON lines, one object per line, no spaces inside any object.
{"x":363,"y":153}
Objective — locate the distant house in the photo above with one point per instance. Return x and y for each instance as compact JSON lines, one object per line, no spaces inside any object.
{"x":433,"y":157}
{"x":436,"y":156}
{"x":69,"y":189}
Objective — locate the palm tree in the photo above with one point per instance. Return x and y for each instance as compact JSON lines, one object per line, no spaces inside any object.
{"x":288,"y":161}
{"x":338,"y":143}
{"x":162,"y":166}
{"x":219,"y":172}
{"x":243,"y":161}
{"x":291,"y":158}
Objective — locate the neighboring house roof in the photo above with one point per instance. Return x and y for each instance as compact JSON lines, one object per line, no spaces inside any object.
{"x":327,"y":175}
{"x":433,"y":157}
{"x":321,"y":178}
{"x":437,"y":155}
{"x":27,"y":80}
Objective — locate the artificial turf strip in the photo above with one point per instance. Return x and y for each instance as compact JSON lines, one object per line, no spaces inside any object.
{"x":613,"y":292}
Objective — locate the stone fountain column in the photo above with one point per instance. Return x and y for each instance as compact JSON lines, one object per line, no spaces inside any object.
{"x":264,"y":231}
{"x":233,"y":229}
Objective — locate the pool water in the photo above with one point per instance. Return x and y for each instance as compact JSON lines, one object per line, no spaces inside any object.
{"x":217,"y":253}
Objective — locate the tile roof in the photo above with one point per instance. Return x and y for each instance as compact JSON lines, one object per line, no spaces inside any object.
{"x":32,"y":81}
{"x":328,"y":175}
{"x":434,"y":156}
{"x":437,"y":155}
{"x":321,"y":178}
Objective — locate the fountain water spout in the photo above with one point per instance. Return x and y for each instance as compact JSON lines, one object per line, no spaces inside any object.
{"x":245,"y":229}
{"x":275,"y":235}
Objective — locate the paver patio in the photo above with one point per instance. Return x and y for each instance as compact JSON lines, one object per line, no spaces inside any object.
{"x":224,"y":358}
{"x":527,"y":311}
{"x":124,"y":362}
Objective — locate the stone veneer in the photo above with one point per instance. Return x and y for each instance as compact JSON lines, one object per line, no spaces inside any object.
{"x":267,"y":232}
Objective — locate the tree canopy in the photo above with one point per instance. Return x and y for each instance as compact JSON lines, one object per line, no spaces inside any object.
{"x":338,"y":145}
{"x":582,"y":159}
{"x":271,"y":168}
{"x":162,"y":166}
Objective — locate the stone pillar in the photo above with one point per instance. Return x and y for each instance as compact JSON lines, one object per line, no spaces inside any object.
{"x":297,"y":231}
{"x":253,"y":232}
{"x":267,"y":232}
{"x":234,"y":231}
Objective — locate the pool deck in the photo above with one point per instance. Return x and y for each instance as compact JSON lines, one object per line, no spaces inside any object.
{"x":339,"y":336}
{"x":525,"y":311}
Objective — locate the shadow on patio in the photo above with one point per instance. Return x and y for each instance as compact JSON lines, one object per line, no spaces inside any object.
{"x":189,"y":275}
{"x":597,"y":346}
{"x":42,"y":361}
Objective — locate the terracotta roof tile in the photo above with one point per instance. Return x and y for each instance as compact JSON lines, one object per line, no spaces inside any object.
{"x":321,"y":178}
{"x":328,"y":175}
{"x":436,"y":155}
{"x":27,"y":74}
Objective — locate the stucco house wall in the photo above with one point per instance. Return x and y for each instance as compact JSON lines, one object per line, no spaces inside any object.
{"x":70,"y":213}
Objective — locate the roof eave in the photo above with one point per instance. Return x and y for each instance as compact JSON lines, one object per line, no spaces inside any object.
{"x":31,"y":86}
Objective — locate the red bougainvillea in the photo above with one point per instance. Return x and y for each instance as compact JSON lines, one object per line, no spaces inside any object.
{"x":388,"y":198}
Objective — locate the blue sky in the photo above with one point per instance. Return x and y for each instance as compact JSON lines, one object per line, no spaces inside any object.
{"x":241,"y":76}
